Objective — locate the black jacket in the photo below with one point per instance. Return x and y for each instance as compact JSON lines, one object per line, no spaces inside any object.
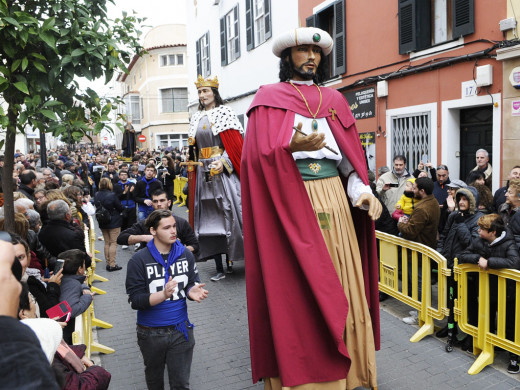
{"x":27,"y":191}
{"x":185,"y":234}
{"x":46,"y":297}
{"x":59,"y":236}
{"x":501,"y":254}
{"x":110,"y":201}
{"x":23,"y":364}
{"x":140,"y":190}
{"x":460,"y":229}
{"x":41,"y":252}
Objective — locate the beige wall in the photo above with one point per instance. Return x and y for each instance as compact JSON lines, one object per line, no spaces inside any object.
{"x":147,"y":77}
{"x":511,"y":124}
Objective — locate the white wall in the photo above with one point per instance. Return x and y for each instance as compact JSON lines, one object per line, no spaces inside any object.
{"x":253,"y":68}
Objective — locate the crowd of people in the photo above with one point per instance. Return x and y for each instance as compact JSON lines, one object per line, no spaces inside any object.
{"x":461,"y":219}
{"x":295,"y":165}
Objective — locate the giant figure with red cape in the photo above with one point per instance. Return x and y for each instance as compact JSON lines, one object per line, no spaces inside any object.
{"x":311,"y":261}
{"x":216,"y":138}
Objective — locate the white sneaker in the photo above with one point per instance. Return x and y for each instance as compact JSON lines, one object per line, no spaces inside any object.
{"x":124,"y":246}
{"x":218,"y":276}
{"x":413,"y":313}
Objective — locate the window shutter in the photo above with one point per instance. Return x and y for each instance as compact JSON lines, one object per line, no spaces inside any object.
{"x":310,"y":21}
{"x":197,"y":54}
{"x":340,"y":63}
{"x":267,"y":19}
{"x":463,"y":19}
{"x":249,"y":25}
{"x":223,"y":51}
{"x":237,"y":33}
{"x":406,"y":26}
{"x":209,"y":54}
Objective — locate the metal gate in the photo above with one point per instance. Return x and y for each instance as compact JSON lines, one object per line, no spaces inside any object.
{"x":411,"y":137}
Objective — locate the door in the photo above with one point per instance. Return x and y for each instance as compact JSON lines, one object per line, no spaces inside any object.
{"x":476,"y":132}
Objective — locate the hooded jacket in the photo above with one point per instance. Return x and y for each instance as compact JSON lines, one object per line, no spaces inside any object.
{"x":391,"y":196}
{"x":461,"y":228}
{"x":408,"y":204}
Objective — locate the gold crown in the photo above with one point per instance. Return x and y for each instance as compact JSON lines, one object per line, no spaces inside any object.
{"x":206,"y":83}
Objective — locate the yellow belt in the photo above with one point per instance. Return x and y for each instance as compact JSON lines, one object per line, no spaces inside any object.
{"x":213,"y":151}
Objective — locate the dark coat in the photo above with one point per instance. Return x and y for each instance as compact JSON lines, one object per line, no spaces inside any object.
{"x":59,"y":236}
{"x":93,"y":378}
{"x":185,"y":234}
{"x":27,"y":191}
{"x":511,"y":218}
{"x":440,"y":191}
{"x":140,"y":190}
{"x":460,"y":229}
{"x":110,"y":201}
{"x":422,"y":225}
{"x":46,"y":297}
{"x":500,"y":197}
{"x":500,"y":254}
{"x":23,"y":364}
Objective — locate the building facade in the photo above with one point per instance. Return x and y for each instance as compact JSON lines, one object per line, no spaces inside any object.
{"x":423,"y":79}
{"x":232,"y":39}
{"x":155,"y":89}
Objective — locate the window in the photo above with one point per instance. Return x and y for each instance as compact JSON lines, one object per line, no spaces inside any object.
{"x":171,"y":60}
{"x":258,"y":22}
{"x":411,"y":137}
{"x":173,"y":140}
{"x":133,"y":108}
{"x":174,"y":99}
{"x":332,"y":20}
{"x":425,"y":23}
{"x":203,"y":57}
{"x":229,"y":37}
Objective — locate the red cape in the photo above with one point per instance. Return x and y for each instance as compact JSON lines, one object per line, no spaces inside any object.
{"x":296,"y":304}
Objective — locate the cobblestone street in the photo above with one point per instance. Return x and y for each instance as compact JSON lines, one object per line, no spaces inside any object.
{"x":221,"y":357}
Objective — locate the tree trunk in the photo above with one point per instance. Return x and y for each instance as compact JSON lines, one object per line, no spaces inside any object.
{"x":7,"y":177}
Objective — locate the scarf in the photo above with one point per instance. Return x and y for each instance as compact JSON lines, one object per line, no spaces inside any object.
{"x":176,"y":310}
{"x":148,"y":185}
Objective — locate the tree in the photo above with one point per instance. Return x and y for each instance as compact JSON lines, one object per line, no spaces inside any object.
{"x":44,"y":45}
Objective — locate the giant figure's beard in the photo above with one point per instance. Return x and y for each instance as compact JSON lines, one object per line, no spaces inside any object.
{"x":309,"y":75}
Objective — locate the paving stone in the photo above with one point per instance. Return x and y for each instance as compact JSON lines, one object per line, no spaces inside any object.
{"x":221,"y":356}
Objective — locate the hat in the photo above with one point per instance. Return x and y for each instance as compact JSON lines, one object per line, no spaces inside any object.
{"x":303,"y":36}
{"x":456,"y":184}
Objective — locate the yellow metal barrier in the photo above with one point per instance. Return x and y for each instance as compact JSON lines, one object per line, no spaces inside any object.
{"x":394,"y":256}
{"x":83,"y":333}
{"x":90,"y":240}
{"x":183,"y":181}
{"x":484,"y":340}
{"x":177,"y":189}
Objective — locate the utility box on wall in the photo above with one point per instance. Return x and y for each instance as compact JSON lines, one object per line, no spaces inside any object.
{"x":484,"y":75}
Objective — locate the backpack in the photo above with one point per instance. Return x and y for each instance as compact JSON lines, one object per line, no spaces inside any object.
{"x":102,"y":215}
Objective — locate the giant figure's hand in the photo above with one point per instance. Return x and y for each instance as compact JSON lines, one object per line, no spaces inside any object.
{"x":309,"y":143}
{"x":10,"y":288}
{"x":375,"y":208}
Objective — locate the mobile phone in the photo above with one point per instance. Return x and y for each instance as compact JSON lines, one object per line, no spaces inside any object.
{"x":58,"y":266}
{"x":393,"y":185}
{"x":424,"y":159}
{"x":61,"y":312}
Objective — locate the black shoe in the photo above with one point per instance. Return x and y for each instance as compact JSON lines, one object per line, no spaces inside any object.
{"x":513,"y":367}
{"x":467,"y":345}
{"x":443,"y":332}
{"x":114,"y":268}
{"x":383,"y":296}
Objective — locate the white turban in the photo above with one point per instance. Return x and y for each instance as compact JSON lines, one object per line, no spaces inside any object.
{"x":303,"y":36}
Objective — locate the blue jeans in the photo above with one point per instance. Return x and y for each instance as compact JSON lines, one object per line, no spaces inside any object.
{"x":143,"y":213}
{"x":166,"y":346}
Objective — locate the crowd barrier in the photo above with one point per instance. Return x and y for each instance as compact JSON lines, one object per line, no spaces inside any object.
{"x":86,"y":321}
{"x":401,"y":260}
{"x":485,"y":341}
{"x":178,"y":186}
{"x":392,"y":251}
